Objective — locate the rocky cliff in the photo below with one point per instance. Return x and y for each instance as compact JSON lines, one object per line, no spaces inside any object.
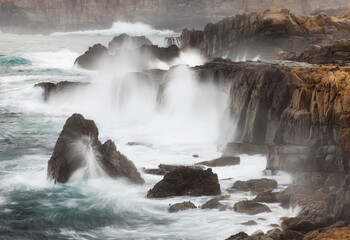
{"x":44,"y":15}
{"x":264,"y":34}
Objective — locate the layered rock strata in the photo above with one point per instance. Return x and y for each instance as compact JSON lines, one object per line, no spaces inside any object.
{"x":264,"y":34}
{"x":65,"y":15}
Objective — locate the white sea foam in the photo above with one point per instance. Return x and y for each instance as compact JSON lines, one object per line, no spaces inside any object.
{"x":134,"y":29}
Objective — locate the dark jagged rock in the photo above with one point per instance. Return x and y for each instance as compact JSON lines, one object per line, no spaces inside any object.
{"x":337,"y":52}
{"x":214,"y":203}
{"x":166,"y":168}
{"x":51,"y":89}
{"x":275,"y":234}
{"x":186,"y":181}
{"x":250,"y":207}
{"x":67,"y":156}
{"x":128,"y":42}
{"x":97,"y":57}
{"x":239,"y":236}
{"x":264,"y":34}
{"x":181,"y":206}
{"x":91,"y":58}
{"x":255,"y":185}
{"x":222,"y":161}
{"x":163,"y":54}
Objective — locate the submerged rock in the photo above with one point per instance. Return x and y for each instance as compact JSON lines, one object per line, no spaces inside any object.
{"x":250,"y":223}
{"x":181,"y":206}
{"x":79,"y":141}
{"x":250,"y":207}
{"x":222,"y":161}
{"x":186,"y":181}
{"x":214,"y":203}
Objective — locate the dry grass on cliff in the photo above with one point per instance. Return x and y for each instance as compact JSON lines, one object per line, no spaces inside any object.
{"x":333,"y":234}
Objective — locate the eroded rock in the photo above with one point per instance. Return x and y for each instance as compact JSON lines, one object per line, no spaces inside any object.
{"x":222,"y":161}
{"x":77,"y":142}
{"x":181,"y":206}
{"x":250,"y":207}
{"x":186,"y":181}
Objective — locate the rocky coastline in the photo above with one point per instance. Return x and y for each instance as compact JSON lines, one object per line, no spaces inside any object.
{"x":297,"y":112}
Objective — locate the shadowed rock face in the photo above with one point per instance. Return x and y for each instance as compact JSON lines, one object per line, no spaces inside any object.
{"x":186,"y":181}
{"x":91,"y":58}
{"x":68,"y":157}
{"x":264,"y":34}
{"x":126,"y":41}
{"x":337,"y":52}
{"x":51,"y":89}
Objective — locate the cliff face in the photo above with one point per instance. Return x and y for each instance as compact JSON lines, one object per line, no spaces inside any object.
{"x":266,"y":33}
{"x":44,"y":15}
{"x":301,"y":112}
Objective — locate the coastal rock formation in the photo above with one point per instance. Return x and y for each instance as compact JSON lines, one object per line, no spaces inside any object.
{"x":337,"y":52}
{"x":127,"y":42}
{"x":186,"y":181}
{"x":264,"y":34}
{"x":57,"y":15}
{"x":181,"y":206}
{"x":91,"y":59}
{"x":255,"y":185}
{"x":222,"y":161}
{"x":98,"y":57}
{"x":214,"y":203}
{"x":78,"y":139}
{"x":250,"y":207}
{"x":166,"y":168}
{"x":51,"y":89}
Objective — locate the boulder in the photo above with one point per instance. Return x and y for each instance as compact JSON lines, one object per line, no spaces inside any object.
{"x":181,"y":206}
{"x":222,"y":161}
{"x":127,"y":42}
{"x":250,"y":207}
{"x":275,"y":234}
{"x":239,"y":236}
{"x":78,"y":138}
{"x":255,"y":185}
{"x":250,"y":223}
{"x":214,"y":203}
{"x":186,"y":181}
{"x":90,"y":59}
{"x":267,"y":197}
{"x":293,"y":235}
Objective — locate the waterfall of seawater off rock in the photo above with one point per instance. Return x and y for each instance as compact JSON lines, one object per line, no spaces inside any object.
{"x":181,"y":120}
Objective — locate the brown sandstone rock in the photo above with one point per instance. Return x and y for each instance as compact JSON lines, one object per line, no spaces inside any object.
{"x":181,"y":206}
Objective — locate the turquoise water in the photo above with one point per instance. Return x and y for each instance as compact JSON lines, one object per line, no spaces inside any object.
{"x":33,"y":207}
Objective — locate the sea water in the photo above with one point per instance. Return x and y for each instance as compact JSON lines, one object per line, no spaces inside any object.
{"x":97,"y":207}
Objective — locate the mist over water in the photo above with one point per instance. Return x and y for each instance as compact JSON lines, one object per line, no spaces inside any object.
{"x":174,"y":118}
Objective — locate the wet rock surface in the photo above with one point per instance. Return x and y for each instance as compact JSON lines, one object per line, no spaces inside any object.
{"x":255,"y":185}
{"x":128,"y":42}
{"x":181,"y":206}
{"x":92,"y":57}
{"x":268,"y":32}
{"x":78,"y":138}
{"x":239,"y":236}
{"x":250,"y":207}
{"x":221,"y":162}
{"x":51,"y":89}
{"x":337,"y":52}
{"x":166,"y":168}
{"x":186,"y":181}
{"x":214,"y":203}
